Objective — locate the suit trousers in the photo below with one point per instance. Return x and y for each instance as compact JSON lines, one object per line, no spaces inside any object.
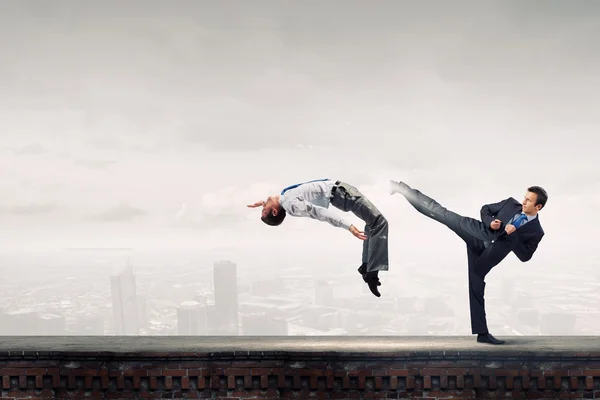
{"x":475,"y":234}
{"x":375,"y":248}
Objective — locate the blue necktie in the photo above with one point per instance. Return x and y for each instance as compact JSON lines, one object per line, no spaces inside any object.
{"x":520,"y":220}
{"x":298,"y":184}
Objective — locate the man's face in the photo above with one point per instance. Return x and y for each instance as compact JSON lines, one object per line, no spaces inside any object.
{"x":270,"y":206}
{"x":529,"y":206}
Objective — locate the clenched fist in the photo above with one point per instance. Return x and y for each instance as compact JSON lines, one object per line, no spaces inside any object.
{"x":495,"y":225}
{"x":510,"y":229}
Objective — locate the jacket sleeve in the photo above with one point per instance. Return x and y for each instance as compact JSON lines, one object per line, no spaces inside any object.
{"x":307,"y":209}
{"x":489,"y":211}
{"x":523,"y":250}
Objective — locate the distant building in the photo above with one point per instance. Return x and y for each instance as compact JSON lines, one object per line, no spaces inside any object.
{"x":191,"y":318}
{"x":30,"y":322}
{"x":143,"y":311}
{"x":212,"y":323}
{"x":125,"y":303}
{"x":226,"y":298}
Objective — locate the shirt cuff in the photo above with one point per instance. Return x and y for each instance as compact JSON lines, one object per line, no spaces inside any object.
{"x":346,"y":225}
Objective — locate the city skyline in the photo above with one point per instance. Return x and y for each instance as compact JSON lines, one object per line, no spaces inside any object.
{"x":284,"y":302}
{"x":147,"y":127}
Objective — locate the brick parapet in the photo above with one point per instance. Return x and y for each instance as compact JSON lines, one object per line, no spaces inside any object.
{"x":539,"y":372}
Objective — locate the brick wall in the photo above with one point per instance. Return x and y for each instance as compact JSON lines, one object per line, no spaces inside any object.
{"x":298,"y":374}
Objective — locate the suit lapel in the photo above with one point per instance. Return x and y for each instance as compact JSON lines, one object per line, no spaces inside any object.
{"x":531,"y":225}
{"x":535,"y":224}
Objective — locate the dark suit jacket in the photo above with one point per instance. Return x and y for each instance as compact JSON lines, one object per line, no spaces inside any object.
{"x":523,"y":242}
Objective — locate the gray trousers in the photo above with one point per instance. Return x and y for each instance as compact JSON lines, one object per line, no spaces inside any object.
{"x":475,"y":234}
{"x":375,"y":247}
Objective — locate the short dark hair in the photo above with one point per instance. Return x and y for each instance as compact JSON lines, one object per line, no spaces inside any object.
{"x":274,"y":220}
{"x":542,"y":196}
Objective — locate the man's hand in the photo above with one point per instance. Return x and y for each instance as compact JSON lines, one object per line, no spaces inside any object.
{"x":257,"y":204}
{"x":495,"y":225}
{"x":359,"y":234}
{"x":510,"y":229}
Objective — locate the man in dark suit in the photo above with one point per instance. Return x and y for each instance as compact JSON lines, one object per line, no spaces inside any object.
{"x":504,"y":227}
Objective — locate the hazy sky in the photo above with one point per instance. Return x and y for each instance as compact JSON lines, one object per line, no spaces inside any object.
{"x":153,"y":123}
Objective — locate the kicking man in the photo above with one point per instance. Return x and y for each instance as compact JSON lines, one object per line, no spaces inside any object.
{"x":506,"y":226}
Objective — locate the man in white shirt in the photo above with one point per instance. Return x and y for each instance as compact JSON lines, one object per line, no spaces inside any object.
{"x":312,"y":199}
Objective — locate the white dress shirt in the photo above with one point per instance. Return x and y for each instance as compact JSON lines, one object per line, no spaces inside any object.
{"x":312,"y":200}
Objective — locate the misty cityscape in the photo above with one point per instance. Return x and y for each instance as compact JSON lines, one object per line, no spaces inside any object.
{"x":134,"y":134}
{"x":222,"y":299}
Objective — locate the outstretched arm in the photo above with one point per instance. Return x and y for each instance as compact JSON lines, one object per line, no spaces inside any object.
{"x":489,"y":211}
{"x":523,"y":250}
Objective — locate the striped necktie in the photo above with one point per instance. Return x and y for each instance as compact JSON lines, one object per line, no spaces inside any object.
{"x":298,"y":184}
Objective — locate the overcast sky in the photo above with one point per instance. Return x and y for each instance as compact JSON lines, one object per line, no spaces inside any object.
{"x":125,"y":123}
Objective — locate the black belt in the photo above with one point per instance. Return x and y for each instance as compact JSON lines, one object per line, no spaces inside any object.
{"x":335,"y":186}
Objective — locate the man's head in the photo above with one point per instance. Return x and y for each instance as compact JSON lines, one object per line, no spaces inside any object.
{"x":535,"y":199}
{"x":272,"y":213}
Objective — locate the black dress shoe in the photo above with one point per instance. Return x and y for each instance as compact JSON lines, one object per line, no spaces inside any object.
{"x":373,"y":281}
{"x":362,"y":270}
{"x":488,"y":338}
{"x":370,"y":278}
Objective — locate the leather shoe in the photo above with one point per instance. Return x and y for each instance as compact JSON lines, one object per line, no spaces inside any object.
{"x":373,"y":281}
{"x":488,"y":338}
{"x":362,"y":270}
{"x":370,"y":278}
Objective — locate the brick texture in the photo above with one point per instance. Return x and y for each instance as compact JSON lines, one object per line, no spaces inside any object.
{"x":297,"y":375}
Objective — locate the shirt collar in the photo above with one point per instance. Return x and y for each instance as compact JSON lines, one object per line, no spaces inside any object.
{"x":529,"y":217}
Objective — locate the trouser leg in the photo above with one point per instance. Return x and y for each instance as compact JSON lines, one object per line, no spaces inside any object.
{"x":375,"y":248}
{"x":477,"y":275}
{"x":474,"y":233}
{"x":469,"y":229}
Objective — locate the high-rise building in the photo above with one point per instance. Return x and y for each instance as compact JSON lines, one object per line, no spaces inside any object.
{"x":226,"y":298}
{"x":191,"y":318}
{"x":143,"y":311}
{"x":212,"y":320}
{"x":125,"y":303}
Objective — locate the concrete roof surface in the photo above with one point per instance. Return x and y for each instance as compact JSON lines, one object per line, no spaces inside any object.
{"x":439,"y":345}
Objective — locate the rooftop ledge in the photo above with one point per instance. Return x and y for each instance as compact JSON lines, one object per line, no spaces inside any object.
{"x":240,"y":347}
{"x":271,"y":367}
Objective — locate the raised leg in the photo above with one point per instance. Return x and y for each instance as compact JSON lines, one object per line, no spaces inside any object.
{"x":469,"y":229}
